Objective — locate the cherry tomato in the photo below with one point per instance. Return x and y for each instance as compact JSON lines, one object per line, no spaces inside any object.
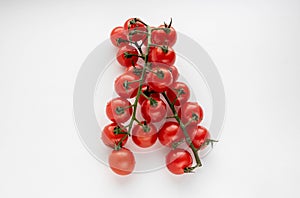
{"x":118,"y":33}
{"x":153,"y":110}
{"x":162,"y":54}
{"x":169,"y":133}
{"x":122,"y":161}
{"x":132,"y":25}
{"x":118,"y":110}
{"x":174,"y":72}
{"x":148,"y":92}
{"x":127,"y":56}
{"x":108,"y":136}
{"x":198,"y":135}
{"x":166,"y":36}
{"x":126,"y":85}
{"x":177,"y":160}
{"x":144,"y":135}
{"x":191,"y":111}
{"x":135,"y":70}
{"x":178,"y":93}
{"x":160,"y":78}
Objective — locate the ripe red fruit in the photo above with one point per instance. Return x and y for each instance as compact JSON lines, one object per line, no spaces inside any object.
{"x":118,"y":110}
{"x":191,"y":112}
{"x":127,"y":56}
{"x":177,"y":160}
{"x":153,"y":110}
{"x":126,"y":85}
{"x":148,"y":92}
{"x":118,"y":33}
{"x":174,"y":72}
{"x":162,"y":54}
{"x":160,"y":79}
{"x":169,"y":133}
{"x":144,"y":135}
{"x":178,"y":93}
{"x":109,"y":137}
{"x":122,"y":161}
{"x":135,"y":30}
{"x":166,"y":36}
{"x":198,"y":135}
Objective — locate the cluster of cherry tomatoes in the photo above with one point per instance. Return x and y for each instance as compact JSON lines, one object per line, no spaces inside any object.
{"x":150,"y":81}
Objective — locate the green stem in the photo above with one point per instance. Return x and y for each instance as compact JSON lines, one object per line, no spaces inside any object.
{"x":187,"y":137}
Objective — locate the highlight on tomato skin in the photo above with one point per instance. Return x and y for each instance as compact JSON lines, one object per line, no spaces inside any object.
{"x":119,"y":110}
{"x":191,"y":112}
{"x":199,"y":135}
{"x":116,"y":34}
{"x":122,"y":161}
{"x":127,"y":56}
{"x":169,"y":133}
{"x":126,"y":85}
{"x":177,"y":160}
{"x":109,"y":137}
{"x":144,"y":135}
{"x":153,"y":110}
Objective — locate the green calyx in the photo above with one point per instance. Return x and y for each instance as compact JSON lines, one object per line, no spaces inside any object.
{"x":153,"y":102}
{"x":160,"y":74}
{"x":164,"y":49}
{"x":119,"y":110}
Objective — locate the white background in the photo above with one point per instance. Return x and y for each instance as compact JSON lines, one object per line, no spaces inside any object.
{"x":255,"y":45}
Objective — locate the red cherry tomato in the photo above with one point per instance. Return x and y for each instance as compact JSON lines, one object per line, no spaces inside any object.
{"x":162,"y":54}
{"x":108,"y":136}
{"x":132,"y":25}
{"x":178,"y":93}
{"x":191,"y":111}
{"x":135,"y":70}
{"x":118,"y":110}
{"x":166,"y":36}
{"x":177,"y":160}
{"x":174,"y":72}
{"x":198,"y":135}
{"x":169,"y":133}
{"x":144,"y":135}
{"x":122,"y":161}
{"x":127,"y":56}
{"x":118,"y":33}
{"x":148,"y":92}
{"x":160,"y":79}
{"x":153,"y":110}
{"x":126,"y":85}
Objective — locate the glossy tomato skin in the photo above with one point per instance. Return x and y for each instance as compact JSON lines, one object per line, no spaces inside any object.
{"x":129,"y":59}
{"x":135,"y":70}
{"x":131,"y":25}
{"x":116,"y":33}
{"x":177,"y":160}
{"x":160,"y":79}
{"x":144,"y":135}
{"x":198,"y":135}
{"x":178,"y":93}
{"x":148,"y":92}
{"x":109,"y":138}
{"x":169,"y":133}
{"x":190,"y":110}
{"x":175,"y":73}
{"x":122,"y":161}
{"x":153,"y":112}
{"x":162,"y":37}
{"x":158,"y":55}
{"x":125,"y":85}
{"x":118,"y":110}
